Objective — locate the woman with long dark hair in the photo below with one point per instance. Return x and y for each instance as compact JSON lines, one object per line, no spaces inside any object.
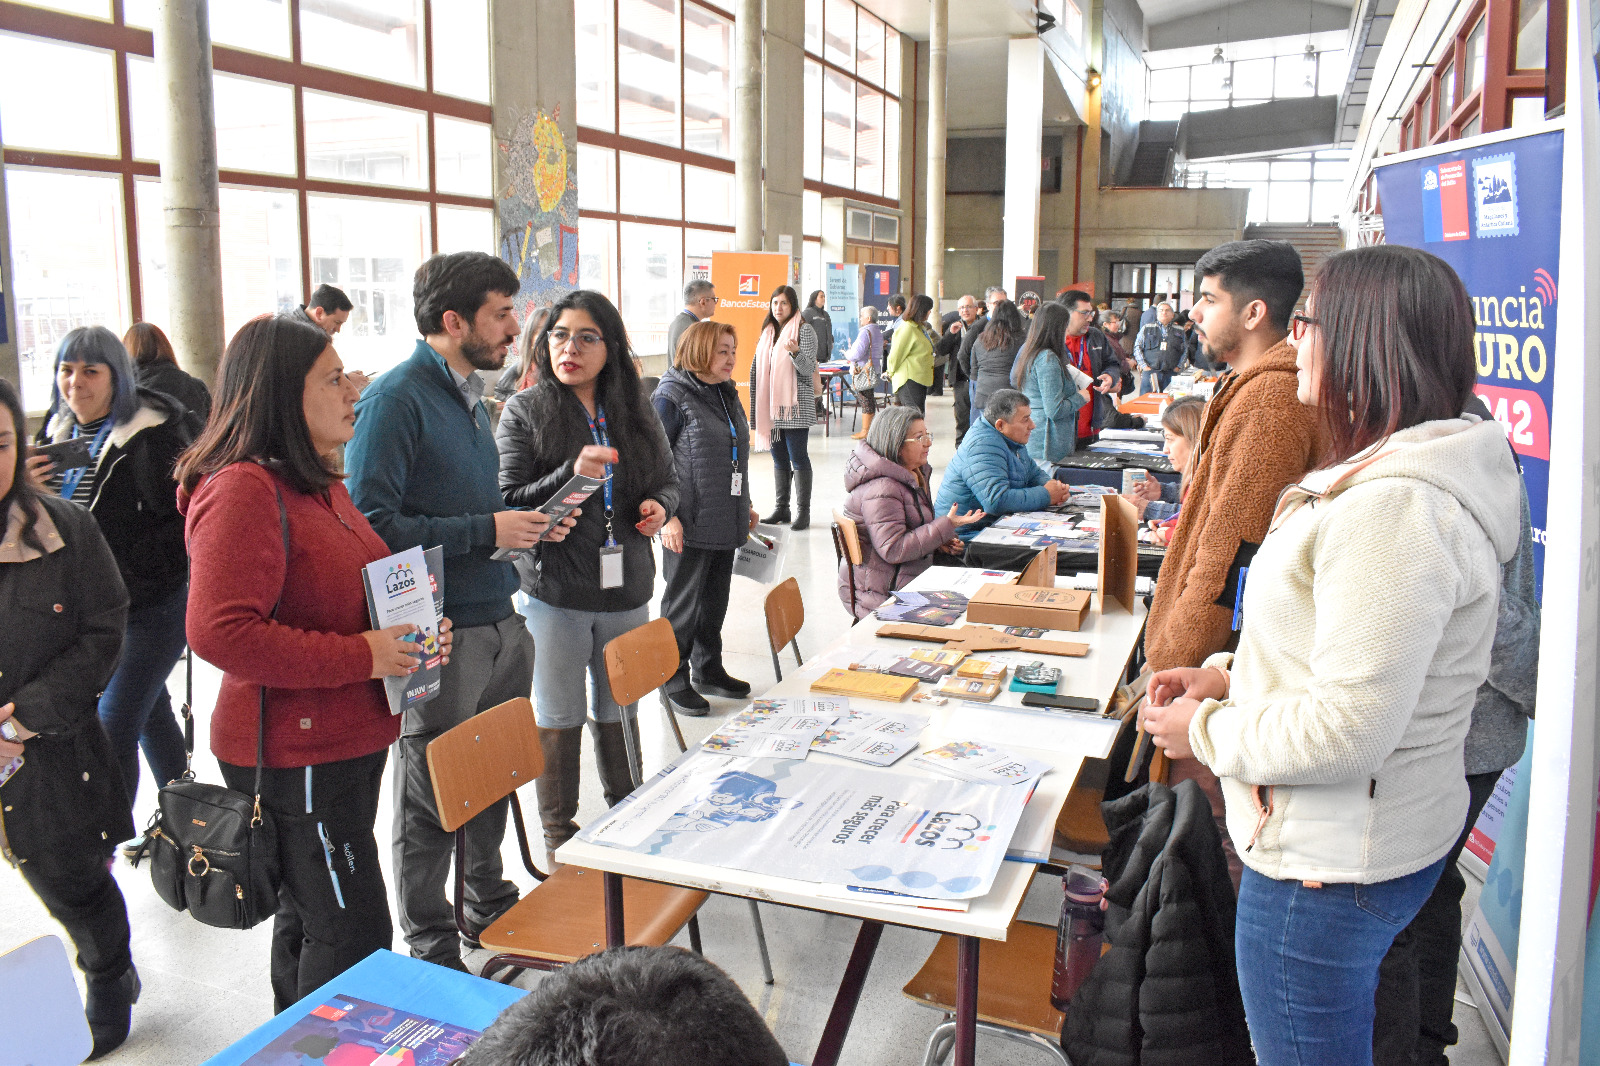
{"x":1056,"y":389}
{"x":1337,"y":728}
{"x":134,"y":436}
{"x":157,"y":366}
{"x":519,"y":372}
{"x":585,"y":414}
{"x":63,"y":807}
{"x":816,"y":316}
{"x":909,"y":364}
{"x":288,"y":624}
{"x":994,"y":351}
{"x":783,"y":404}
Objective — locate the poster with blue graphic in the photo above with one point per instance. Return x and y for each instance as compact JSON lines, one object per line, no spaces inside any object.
{"x":823,"y":822}
{"x":1492,"y":210}
{"x":841,"y":295}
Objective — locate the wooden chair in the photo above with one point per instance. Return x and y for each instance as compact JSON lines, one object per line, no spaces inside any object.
{"x":1013,"y":991}
{"x":638,"y":663}
{"x":786,"y":613}
{"x":847,"y":549}
{"x":486,"y":759}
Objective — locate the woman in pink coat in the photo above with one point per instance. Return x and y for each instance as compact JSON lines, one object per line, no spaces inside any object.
{"x":891,"y":503}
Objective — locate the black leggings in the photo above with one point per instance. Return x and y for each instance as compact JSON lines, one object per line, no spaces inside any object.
{"x":789,"y":449}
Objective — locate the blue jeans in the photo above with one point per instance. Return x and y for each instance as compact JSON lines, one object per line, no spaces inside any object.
{"x":1153,"y":380}
{"x":135,"y":708}
{"x":567,"y":645}
{"x":1308,"y":962}
{"x":789,"y":449}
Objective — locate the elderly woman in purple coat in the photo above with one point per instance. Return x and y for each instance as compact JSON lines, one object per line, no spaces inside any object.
{"x":891,"y":503}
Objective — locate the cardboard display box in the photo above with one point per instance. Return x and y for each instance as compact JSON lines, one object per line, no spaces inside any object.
{"x":1029,"y":605}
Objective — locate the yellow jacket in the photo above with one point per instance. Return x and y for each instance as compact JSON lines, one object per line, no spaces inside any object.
{"x":910,"y":356}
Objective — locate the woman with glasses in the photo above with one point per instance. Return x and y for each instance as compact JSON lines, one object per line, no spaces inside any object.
{"x":783,"y":404}
{"x":1056,"y":388}
{"x":891,"y":502}
{"x":585,"y":414}
{"x":1337,"y":728}
{"x":705,"y":425}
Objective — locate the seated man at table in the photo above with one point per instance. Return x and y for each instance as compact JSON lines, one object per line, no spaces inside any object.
{"x":992,"y":471}
{"x":630,"y":1007}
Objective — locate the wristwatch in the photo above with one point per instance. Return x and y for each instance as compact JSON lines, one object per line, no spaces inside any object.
{"x":9,"y":730}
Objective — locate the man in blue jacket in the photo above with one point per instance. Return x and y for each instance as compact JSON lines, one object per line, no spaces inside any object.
{"x":423,"y":467}
{"x":992,"y":471}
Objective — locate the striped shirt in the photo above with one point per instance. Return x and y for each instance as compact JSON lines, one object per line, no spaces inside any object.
{"x":84,"y":492}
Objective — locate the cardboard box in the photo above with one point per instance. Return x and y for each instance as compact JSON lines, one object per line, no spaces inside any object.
{"x":1029,"y":605}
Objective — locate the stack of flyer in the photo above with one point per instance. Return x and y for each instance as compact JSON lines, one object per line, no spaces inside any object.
{"x":407,"y":588}
{"x":971,"y":760}
{"x":873,"y":737}
{"x":775,"y":728}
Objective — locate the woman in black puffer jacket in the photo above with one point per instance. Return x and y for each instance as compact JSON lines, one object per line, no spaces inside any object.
{"x":699,"y":408}
{"x":134,"y":437}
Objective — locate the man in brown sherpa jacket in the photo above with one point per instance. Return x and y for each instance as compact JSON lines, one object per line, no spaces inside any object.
{"x":1256,"y":439}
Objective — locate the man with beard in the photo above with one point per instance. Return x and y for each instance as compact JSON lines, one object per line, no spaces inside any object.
{"x":1256,"y":438}
{"x":424,"y":469}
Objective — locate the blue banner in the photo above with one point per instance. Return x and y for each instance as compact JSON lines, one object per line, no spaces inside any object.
{"x":1493,"y":212}
{"x":881,"y":282}
{"x":841,"y":295}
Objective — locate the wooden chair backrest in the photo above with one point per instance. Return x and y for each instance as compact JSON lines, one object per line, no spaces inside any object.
{"x":483,"y":760}
{"x":785,"y":613}
{"x":641,"y":660}
{"x":851,"y":535}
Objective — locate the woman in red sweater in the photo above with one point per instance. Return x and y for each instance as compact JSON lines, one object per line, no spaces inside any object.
{"x":296,"y":625}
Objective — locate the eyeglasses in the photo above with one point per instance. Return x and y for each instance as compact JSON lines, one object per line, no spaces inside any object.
{"x":1299,"y":324}
{"x":559,"y":338}
{"x":920,"y":438}
{"x":1082,"y":311}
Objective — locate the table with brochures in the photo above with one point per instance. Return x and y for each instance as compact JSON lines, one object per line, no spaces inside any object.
{"x":1061,"y":740}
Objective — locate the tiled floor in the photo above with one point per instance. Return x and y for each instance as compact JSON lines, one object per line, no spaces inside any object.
{"x":204,"y":988}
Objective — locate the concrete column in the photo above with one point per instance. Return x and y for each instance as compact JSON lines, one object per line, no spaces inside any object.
{"x":190,"y":199}
{"x":1024,"y":130}
{"x":783,"y":154}
{"x":747,"y":126}
{"x":533,"y":89}
{"x":10,"y":361}
{"x":938,"y":66}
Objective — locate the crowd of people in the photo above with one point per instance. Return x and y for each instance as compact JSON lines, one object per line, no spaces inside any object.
{"x":1344,"y":706}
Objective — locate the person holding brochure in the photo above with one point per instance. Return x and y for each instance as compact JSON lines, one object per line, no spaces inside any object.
{"x":705,"y":425}
{"x":1369,"y":616}
{"x":587,"y":415}
{"x":64,"y":804}
{"x":424,"y":470}
{"x":292,"y":619}
{"x":783,"y":404}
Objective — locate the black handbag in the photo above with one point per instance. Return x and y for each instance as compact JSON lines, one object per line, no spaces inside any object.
{"x":214,"y":851}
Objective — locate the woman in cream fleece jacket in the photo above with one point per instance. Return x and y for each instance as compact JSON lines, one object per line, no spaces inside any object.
{"x":1368,"y":612}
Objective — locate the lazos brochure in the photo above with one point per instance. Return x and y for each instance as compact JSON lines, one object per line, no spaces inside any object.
{"x":567,"y":498}
{"x":343,"y":1029}
{"x":872,"y":737}
{"x":407,"y":588}
{"x":969,"y":760}
{"x":775,"y":728}
{"x":821,"y":822}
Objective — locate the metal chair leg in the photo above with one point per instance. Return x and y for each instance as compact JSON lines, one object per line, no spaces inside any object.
{"x":794,"y":646}
{"x":694,"y":935}
{"x":761,"y":941}
{"x":777,"y":667}
{"x":672,"y":720}
{"x":943,"y":1040}
{"x":940,"y":1041}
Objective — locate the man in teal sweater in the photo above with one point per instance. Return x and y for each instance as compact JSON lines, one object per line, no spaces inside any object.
{"x":424,"y":469}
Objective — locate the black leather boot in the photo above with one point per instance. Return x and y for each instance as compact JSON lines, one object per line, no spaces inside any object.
{"x":611,"y":759}
{"x":782,"y":478}
{"x":802,"y":500}
{"x":109,"y":1010}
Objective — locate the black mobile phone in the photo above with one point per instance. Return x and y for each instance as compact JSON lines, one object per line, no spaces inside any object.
{"x":66,"y":454}
{"x":1065,"y":703}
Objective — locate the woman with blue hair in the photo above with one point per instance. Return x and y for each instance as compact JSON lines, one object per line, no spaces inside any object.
{"x":134,"y":436}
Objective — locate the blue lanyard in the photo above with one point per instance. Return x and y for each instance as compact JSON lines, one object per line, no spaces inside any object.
{"x":71,"y":479}
{"x":604,"y":440}
{"x":732,"y":429}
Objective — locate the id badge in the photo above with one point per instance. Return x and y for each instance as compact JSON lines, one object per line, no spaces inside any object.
{"x":738,"y":484}
{"x":1163,"y":345}
{"x":611,"y":568}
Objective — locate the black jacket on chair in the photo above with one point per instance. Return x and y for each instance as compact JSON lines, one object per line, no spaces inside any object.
{"x":1166,"y":992}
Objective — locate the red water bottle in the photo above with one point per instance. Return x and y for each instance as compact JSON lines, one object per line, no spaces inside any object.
{"x":1079,"y":936}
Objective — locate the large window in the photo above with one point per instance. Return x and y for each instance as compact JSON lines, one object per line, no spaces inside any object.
{"x":852,"y":103}
{"x":1292,"y":188}
{"x":349,"y":167}
{"x":1177,"y":90}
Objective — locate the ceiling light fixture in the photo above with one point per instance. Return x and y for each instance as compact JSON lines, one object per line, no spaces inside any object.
{"x":1216,"y":57}
{"x":1093,"y":80}
{"x":1311,"y":54}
